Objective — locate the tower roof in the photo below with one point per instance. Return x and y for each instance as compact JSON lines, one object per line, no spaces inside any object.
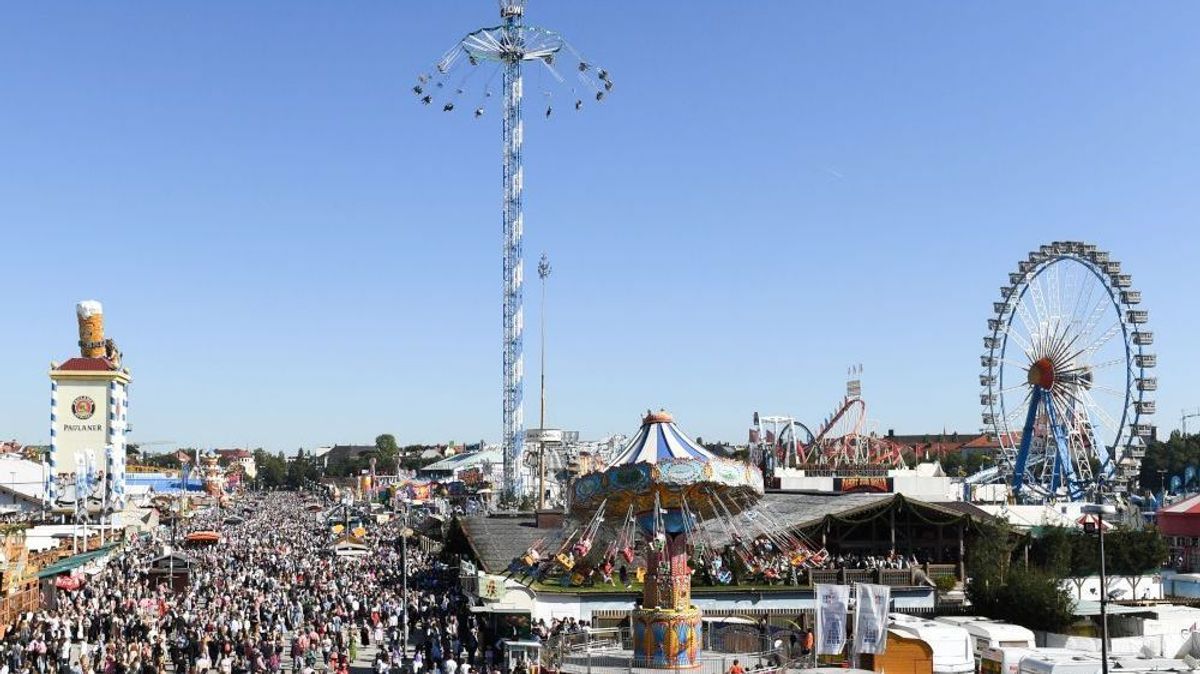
{"x":81,"y":364}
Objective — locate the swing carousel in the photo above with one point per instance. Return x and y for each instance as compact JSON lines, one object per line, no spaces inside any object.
{"x":660,"y":489}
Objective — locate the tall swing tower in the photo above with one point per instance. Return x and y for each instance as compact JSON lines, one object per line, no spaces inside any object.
{"x":464,"y":76}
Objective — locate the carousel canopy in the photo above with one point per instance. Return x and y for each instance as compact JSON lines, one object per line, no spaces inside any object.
{"x":662,"y":466}
{"x":660,"y":440}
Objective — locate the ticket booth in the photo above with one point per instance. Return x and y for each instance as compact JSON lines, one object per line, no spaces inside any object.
{"x":525,"y":655}
{"x":173,"y":569}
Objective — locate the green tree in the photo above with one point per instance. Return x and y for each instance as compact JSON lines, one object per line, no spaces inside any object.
{"x":1034,"y":599}
{"x":272,"y":470}
{"x":302,"y":471}
{"x":386,"y":444}
{"x":1133,"y":553}
{"x":1171,"y":456}
{"x":989,"y":559}
{"x":1051,"y":551}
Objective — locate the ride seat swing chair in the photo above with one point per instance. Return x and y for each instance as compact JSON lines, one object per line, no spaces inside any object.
{"x":584,"y":545}
{"x":626,"y":537}
{"x":564,"y":556}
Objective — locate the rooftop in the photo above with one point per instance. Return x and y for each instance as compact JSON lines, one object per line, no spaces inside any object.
{"x":81,"y":364}
{"x":459,"y":461}
{"x":498,"y":539}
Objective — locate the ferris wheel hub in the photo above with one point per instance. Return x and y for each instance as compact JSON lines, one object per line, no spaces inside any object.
{"x":1041,"y":374}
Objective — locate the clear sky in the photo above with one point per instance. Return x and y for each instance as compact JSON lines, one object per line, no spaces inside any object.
{"x":292,"y":251}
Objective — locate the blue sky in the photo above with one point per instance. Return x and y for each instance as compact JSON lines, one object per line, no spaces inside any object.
{"x":292,"y":251}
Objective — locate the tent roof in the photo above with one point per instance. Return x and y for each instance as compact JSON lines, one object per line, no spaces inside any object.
{"x":659,"y":439}
{"x":1188,"y":506}
{"x":74,"y":561}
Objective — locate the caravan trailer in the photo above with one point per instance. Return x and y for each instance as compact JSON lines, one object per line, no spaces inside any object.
{"x":988,"y":633}
{"x":951,"y":645}
{"x":1044,"y":662}
{"x":1007,"y":659}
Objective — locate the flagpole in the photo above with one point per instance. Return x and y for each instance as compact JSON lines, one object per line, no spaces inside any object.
{"x":104,"y":491}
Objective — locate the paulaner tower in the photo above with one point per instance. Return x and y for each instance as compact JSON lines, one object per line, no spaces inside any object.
{"x":89,"y":404}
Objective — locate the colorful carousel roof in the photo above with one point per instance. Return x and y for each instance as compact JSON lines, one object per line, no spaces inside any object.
{"x":662,"y":464}
{"x":660,"y":440}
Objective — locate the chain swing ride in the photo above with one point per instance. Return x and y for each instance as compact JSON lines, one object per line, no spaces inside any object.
{"x":467,"y":71}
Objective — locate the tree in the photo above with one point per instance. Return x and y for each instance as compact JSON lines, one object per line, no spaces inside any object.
{"x":272,"y":470}
{"x":1030,"y":597}
{"x":386,"y":444}
{"x":1134,"y":552}
{"x":1034,"y":599}
{"x":302,"y":471}
{"x":1052,"y":551}
{"x":1171,"y":457}
{"x":989,"y":559}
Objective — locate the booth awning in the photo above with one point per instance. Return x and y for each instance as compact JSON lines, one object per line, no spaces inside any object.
{"x":73,"y":562}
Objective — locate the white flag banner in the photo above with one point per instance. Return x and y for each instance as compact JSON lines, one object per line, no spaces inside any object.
{"x":832,"y":604}
{"x":870,"y":617}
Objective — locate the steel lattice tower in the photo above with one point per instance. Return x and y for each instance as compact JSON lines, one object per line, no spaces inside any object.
{"x":514,"y":281}
{"x":510,"y":47}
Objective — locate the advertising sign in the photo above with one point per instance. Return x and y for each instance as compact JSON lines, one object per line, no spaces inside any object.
{"x":870,"y":617}
{"x":833,"y":602}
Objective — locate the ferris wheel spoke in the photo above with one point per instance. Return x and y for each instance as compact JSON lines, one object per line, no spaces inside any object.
{"x":1015,"y":387}
{"x":1097,"y":313}
{"x":1041,"y":313}
{"x":1108,"y":390}
{"x":1081,"y":301}
{"x":1112,"y":426}
{"x":1018,"y":411}
{"x":1014,"y":364}
{"x":1023,"y":343}
{"x":1104,"y":338}
{"x":1056,"y":289}
{"x":1107,"y":364}
{"x":1027,"y":321}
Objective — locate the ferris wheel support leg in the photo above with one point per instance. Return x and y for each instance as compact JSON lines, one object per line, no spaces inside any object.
{"x":1064,"y":469}
{"x":1026,"y":438}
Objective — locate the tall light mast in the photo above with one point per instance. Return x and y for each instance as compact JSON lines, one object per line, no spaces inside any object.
{"x":509,"y":47}
{"x":543,"y":270}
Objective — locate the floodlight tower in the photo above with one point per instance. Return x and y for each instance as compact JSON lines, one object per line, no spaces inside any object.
{"x":507,"y":48}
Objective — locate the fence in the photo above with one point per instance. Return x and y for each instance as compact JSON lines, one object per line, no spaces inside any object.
{"x":611,"y":650}
{"x":910,"y":577}
{"x":22,"y":601}
{"x":429,"y":545}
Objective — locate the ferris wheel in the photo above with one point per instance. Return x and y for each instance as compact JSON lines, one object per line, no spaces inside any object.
{"x":1065,"y":374}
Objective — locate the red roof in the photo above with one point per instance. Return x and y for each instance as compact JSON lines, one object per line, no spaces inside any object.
{"x":992,"y":442}
{"x":234,"y":454}
{"x":1180,"y":518}
{"x":1189,"y":506}
{"x":88,"y":365}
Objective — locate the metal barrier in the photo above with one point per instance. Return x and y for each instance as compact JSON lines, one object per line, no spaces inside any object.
{"x":706,"y":663}
{"x":601,"y":651}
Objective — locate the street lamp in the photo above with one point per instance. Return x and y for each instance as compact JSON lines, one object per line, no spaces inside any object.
{"x":1100,"y":510}
{"x":543,"y":270}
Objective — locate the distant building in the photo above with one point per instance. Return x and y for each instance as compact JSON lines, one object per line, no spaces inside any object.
{"x":932,"y":446}
{"x":21,"y":487}
{"x":341,"y":453}
{"x":229,"y":457}
{"x":452,"y":467}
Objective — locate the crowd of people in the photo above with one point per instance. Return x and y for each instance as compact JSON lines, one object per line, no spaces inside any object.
{"x":270,"y":596}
